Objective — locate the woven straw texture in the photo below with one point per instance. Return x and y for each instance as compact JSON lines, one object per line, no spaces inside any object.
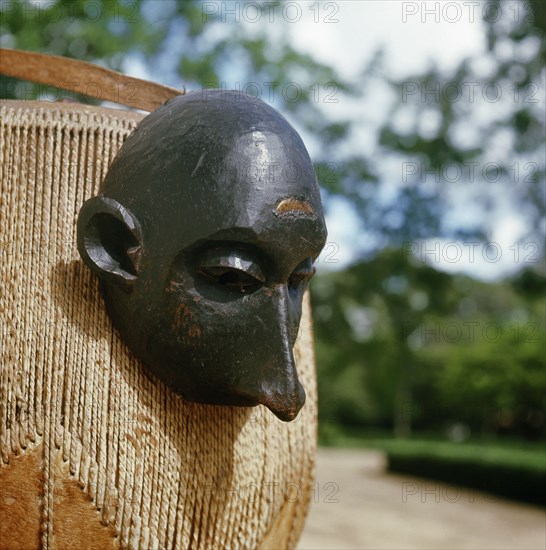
{"x":158,"y":472}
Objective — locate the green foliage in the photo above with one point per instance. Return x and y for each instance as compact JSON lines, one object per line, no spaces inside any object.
{"x":510,"y":468}
{"x":429,"y":349}
{"x":505,"y":472}
{"x":80,"y":29}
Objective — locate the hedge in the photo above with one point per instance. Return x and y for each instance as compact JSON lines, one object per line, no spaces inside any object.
{"x":525,"y":482}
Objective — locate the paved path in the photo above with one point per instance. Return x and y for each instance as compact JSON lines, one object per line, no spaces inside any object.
{"x":358,"y":506}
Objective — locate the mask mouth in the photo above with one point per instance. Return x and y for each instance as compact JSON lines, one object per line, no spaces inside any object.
{"x":284,"y":405}
{"x":284,"y":413}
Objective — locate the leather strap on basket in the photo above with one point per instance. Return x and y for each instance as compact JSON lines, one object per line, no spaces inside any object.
{"x":85,"y":78}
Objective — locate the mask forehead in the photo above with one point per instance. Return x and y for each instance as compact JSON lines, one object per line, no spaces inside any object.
{"x":263,"y":191}
{"x":263,"y":169}
{"x":201,"y":165}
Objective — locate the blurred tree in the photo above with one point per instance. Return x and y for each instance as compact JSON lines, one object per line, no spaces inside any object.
{"x":457,"y":149}
{"x":477,"y":133}
{"x":400,"y":343}
{"x":378,"y":305}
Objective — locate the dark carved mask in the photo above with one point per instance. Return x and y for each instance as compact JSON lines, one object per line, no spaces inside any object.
{"x":204,"y":236}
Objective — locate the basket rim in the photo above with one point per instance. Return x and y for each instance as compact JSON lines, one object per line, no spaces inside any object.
{"x":73,"y":107}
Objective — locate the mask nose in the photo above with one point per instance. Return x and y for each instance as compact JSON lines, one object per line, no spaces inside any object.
{"x":281,"y":391}
{"x":276,"y":384}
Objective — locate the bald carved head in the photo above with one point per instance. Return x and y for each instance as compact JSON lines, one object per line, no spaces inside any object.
{"x":204,"y":236}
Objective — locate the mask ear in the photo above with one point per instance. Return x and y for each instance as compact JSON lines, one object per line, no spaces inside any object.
{"x":110,"y":240}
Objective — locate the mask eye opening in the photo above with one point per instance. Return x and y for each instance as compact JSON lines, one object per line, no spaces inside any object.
{"x":231,"y":278}
{"x":302,"y":274}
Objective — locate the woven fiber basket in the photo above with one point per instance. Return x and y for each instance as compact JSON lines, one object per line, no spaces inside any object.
{"x":95,"y":453}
